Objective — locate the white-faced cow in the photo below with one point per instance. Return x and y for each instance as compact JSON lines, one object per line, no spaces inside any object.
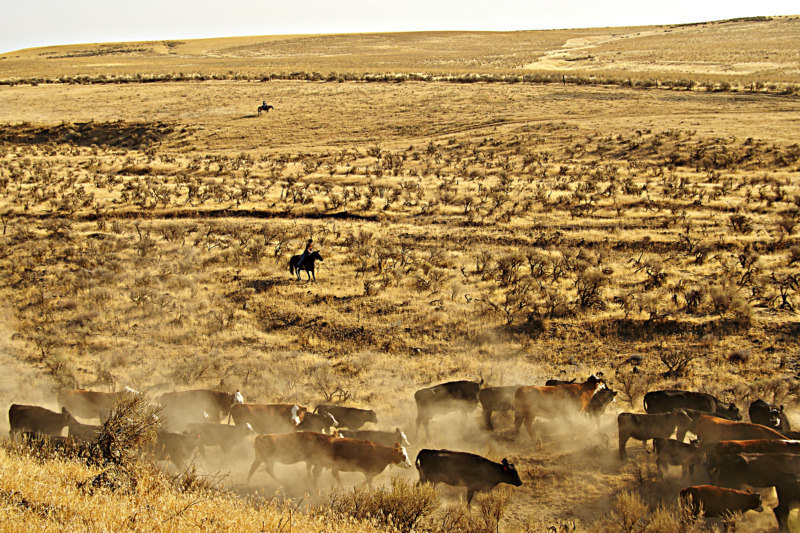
{"x":268,"y":418}
{"x":463,"y":469}
{"x":387,"y":438}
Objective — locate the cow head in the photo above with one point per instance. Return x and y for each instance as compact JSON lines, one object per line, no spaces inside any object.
{"x":330,"y":421}
{"x":510,"y":474}
{"x":238,"y":398}
{"x":295,"y":419}
{"x":755,"y":503}
{"x":401,"y":437}
{"x":729,"y":410}
{"x":372,"y":417}
{"x":401,"y":455}
{"x":67,"y":417}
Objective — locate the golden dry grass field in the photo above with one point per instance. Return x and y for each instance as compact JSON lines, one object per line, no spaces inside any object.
{"x":514,"y":232}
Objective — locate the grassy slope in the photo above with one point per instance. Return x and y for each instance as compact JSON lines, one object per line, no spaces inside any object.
{"x":763,"y":50}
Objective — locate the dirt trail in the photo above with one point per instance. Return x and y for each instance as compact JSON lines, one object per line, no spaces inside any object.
{"x":568,"y":57}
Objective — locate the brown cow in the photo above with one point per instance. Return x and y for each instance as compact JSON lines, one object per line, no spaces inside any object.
{"x":718,"y":501}
{"x":222,"y":435}
{"x":353,"y":455}
{"x":710,"y":429}
{"x":288,"y":449}
{"x":268,"y":418}
{"x":754,"y":469}
{"x":89,"y":403}
{"x":180,"y":408}
{"x":550,"y":402}
{"x":731,"y":447}
{"x":645,"y":427}
{"x":37,"y":420}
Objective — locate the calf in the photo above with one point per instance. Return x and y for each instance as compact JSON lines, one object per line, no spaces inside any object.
{"x":324,"y":423}
{"x":175,"y":447}
{"x":787,"y":487}
{"x":718,"y":501}
{"x":83,"y":432}
{"x":445,"y":398}
{"x":676,"y":453}
{"x":600,"y":401}
{"x":351,"y":455}
{"x":387,"y":438}
{"x":496,"y":399}
{"x":226,"y":437}
{"x":37,"y":420}
{"x":710,"y":429}
{"x":645,"y":427}
{"x":768,"y":415}
{"x":664,"y":401}
{"x":550,"y":402}
{"x":268,"y":418}
{"x":288,"y":449}
{"x":348,"y":417}
{"x":463,"y":469}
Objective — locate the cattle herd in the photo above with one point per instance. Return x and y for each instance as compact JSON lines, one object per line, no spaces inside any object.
{"x":726,"y":453}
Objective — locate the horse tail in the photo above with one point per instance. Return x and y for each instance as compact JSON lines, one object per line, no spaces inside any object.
{"x":291,"y":266}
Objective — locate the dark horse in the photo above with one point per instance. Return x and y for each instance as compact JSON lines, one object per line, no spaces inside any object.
{"x":263,"y":107}
{"x":308,"y":265}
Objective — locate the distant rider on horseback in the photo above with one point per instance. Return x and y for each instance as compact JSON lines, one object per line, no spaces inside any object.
{"x":308,"y":251}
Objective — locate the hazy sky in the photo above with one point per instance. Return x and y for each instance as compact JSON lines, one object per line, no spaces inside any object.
{"x":29,"y":23}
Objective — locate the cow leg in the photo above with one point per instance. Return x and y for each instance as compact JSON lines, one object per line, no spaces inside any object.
{"x":335,"y":473}
{"x":781,"y":515}
{"x":253,"y":468}
{"x":623,"y":441}
{"x":470,"y":494}
{"x":369,"y":479}
{"x":487,"y":419}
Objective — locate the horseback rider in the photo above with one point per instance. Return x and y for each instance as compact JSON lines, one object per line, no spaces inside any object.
{"x":264,"y":104}
{"x":308,"y":251}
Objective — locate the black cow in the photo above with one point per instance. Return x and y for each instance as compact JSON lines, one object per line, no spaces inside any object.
{"x":646,"y":427}
{"x":768,"y":415}
{"x":664,"y":401}
{"x":37,"y":420}
{"x":348,"y":417}
{"x":177,"y":447}
{"x":557,"y":382}
{"x":787,"y":487}
{"x":676,"y":453}
{"x":225,"y":436}
{"x":463,"y":469}
{"x":83,"y":432}
{"x":445,"y":398}
{"x":387,"y":438}
{"x":496,"y":399}
{"x":599,"y":401}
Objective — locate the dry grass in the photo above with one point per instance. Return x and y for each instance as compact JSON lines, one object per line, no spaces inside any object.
{"x":514,"y":232}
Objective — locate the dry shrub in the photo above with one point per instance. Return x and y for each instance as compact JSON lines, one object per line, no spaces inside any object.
{"x":628,"y":514}
{"x":130,"y":427}
{"x":400,"y":506}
